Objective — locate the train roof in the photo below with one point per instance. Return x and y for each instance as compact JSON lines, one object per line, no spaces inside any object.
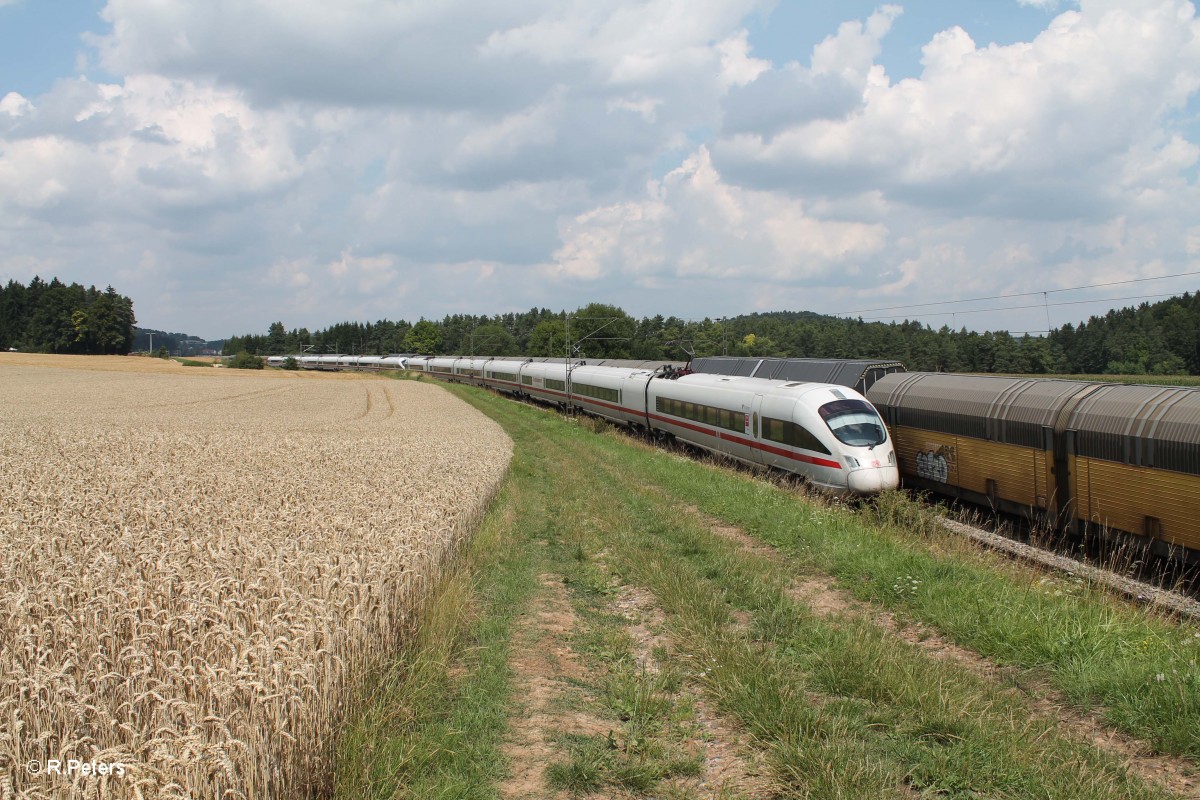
{"x":1140,"y":424}
{"x":631,"y":363}
{"x":1000,"y":398}
{"x":748,"y":384}
{"x":858,"y":374}
{"x":1120,"y":422}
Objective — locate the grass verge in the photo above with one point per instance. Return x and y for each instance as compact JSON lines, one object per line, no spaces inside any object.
{"x":840,"y":706}
{"x":430,"y":724}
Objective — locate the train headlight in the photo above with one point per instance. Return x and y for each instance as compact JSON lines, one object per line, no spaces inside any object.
{"x":892,"y":457}
{"x":852,"y":462}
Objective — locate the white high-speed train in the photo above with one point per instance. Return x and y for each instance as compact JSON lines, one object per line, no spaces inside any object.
{"x":829,"y":434}
{"x":340,"y":362}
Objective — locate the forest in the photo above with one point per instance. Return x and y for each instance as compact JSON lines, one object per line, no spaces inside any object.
{"x":1160,"y":339}
{"x":58,"y":318}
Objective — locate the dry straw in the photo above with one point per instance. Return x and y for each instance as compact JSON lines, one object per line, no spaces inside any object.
{"x":193,"y":571}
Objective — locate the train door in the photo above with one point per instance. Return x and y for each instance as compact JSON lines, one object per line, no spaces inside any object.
{"x":754,"y":424}
{"x":635,"y":398}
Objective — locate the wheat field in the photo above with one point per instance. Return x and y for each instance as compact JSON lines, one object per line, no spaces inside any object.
{"x":195,"y":570}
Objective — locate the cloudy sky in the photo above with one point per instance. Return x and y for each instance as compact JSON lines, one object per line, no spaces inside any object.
{"x":229,"y":163}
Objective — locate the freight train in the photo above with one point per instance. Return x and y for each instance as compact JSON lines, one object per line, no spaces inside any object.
{"x":826,"y":433}
{"x":1112,"y":459}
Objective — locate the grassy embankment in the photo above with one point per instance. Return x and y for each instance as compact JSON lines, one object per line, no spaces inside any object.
{"x":1156,"y":380}
{"x":839,"y":705}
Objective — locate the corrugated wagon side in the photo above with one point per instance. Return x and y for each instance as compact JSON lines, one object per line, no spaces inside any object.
{"x":1093,"y":457}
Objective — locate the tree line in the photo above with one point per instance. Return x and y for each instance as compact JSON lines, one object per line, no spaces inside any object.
{"x":58,"y":318}
{"x":1162,"y":338}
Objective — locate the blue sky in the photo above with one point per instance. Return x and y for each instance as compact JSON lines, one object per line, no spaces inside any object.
{"x":790,"y":30}
{"x":41,"y":41}
{"x":237,"y":162}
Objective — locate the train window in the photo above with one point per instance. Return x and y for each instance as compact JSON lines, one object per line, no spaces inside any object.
{"x":854,"y":422}
{"x":527,"y":380}
{"x":802,"y":437}
{"x":718,"y":417}
{"x":598,"y":392}
{"x":789,"y":433}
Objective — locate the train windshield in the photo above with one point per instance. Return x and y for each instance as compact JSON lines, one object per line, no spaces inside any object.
{"x":854,"y":422}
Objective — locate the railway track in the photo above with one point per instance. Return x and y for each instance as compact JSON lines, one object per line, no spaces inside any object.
{"x":1146,"y":589}
{"x":1141,"y":591}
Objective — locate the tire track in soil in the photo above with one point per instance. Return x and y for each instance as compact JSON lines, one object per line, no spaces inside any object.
{"x":820,"y":594}
{"x":367,"y":410}
{"x":731,"y":768}
{"x":544,"y":668}
{"x":387,"y":395}
{"x":257,"y":393}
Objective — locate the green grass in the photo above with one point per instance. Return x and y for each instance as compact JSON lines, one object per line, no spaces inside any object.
{"x":1139,"y":668}
{"x":188,"y":362}
{"x":422,"y":729}
{"x":838,"y":707}
{"x":845,"y":709}
{"x":650,"y":726}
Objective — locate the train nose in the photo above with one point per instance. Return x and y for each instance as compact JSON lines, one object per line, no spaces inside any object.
{"x":873,"y":480}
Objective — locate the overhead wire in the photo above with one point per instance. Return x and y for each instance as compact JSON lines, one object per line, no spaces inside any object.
{"x":1021,"y":308}
{"x":1020,"y":294}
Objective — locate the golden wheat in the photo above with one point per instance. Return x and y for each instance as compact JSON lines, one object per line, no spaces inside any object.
{"x":193,"y":571}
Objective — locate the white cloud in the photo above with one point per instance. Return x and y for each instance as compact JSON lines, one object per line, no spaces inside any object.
{"x":388,"y":159}
{"x":369,"y":274}
{"x":852,"y":52}
{"x":693,"y":224}
{"x":994,"y":127}
{"x":14,"y":105}
{"x":626,"y":43}
{"x":1192,"y":238}
{"x":738,"y":68}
